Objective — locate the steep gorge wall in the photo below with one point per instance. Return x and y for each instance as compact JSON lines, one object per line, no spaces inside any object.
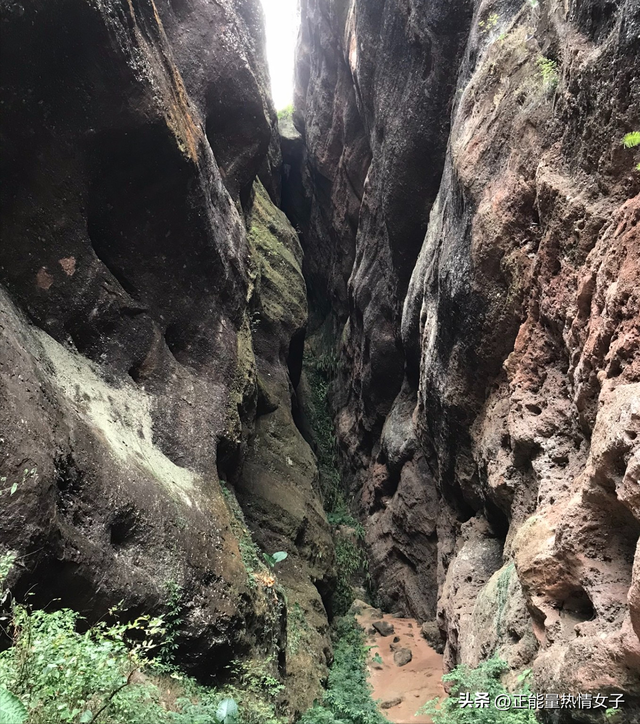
{"x":470,"y":225}
{"x":152,"y":308}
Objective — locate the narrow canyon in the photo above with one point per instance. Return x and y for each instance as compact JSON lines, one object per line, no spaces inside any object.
{"x":392,"y":332}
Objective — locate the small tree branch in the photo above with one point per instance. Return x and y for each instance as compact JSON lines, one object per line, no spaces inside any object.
{"x":112,"y":694}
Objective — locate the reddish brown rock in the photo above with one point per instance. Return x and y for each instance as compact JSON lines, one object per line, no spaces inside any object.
{"x":486,"y":410}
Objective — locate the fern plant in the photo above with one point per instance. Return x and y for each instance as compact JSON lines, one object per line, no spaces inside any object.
{"x":631,"y":140}
{"x":12,"y":710}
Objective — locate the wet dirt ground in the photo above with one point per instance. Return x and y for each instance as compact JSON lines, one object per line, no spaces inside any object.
{"x":401,"y":690}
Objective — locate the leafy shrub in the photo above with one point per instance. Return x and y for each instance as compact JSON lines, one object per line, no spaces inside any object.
{"x":286,"y":114}
{"x":549,"y":72}
{"x":348,"y":696}
{"x":114,"y":675}
{"x":12,"y":710}
{"x":484,"y":678}
{"x":63,"y":676}
{"x":350,"y":560}
{"x":257,"y":691}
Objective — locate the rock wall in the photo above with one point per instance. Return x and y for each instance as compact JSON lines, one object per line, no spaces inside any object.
{"x":152,"y":316}
{"x":470,"y":225}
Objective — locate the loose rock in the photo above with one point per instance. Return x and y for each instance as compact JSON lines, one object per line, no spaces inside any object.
{"x":402,"y":657}
{"x":384,"y":628}
{"x":390,"y":703}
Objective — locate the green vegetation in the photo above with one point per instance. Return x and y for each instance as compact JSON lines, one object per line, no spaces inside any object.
{"x":348,"y":696}
{"x":63,"y":676}
{"x":286,"y":114}
{"x":631,"y":140}
{"x":115,"y":674}
{"x":274,"y":558}
{"x":6,"y":561}
{"x":351,"y":559}
{"x":297,"y":627}
{"x":12,"y":710}
{"x":320,"y":371}
{"x":260,"y":575}
{"x":485,"y":678}
{"x":118,"y":673}
{"x":172,"y":621}
{"x":490,"y":23}
{"x":26,"y":473}
{"x":256,"y":690}
{"x":549,"y":73}
{"x":248,"y":549}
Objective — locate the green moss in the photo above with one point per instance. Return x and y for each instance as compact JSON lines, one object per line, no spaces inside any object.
{"x":280,"y":291}
{"x":320,"y":372}
{"x":297,"y":629}
{"x":351,"y":560}
{"x":502,"y":596}
{"x":249,"y":552}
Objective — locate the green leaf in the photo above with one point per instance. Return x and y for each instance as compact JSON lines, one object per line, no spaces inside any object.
{"x":279,"y":556}
{"x":14,"y":487}
{"x":227,"y":711}
{"x":85,"y":717}
{"x":269,"y":559}
{"x":12,"y":710}
{"x":631,"y":140}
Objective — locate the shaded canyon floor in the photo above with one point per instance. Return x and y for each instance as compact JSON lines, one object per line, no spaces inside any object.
{"x":400,"y":688}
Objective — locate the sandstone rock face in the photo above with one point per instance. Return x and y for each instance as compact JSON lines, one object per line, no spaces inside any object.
{"x":490,"y":358}
{"x":152,"y":315}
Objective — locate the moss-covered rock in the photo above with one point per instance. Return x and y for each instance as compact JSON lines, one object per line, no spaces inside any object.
{"x":278,"y":486}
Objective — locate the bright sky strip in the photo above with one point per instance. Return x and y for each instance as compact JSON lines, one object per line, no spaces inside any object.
{"x":282,"y":30}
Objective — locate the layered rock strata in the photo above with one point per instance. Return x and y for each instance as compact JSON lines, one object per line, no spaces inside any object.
{"x":470,"y":216}
{"x":152,"y":318}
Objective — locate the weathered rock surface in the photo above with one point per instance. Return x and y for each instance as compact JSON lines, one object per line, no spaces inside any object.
{"x":384,"y":628}
{"x":486,"y":401}
{"x":390,"y":703}
{"x":402,"y":657}
{"x":149,"y":343}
